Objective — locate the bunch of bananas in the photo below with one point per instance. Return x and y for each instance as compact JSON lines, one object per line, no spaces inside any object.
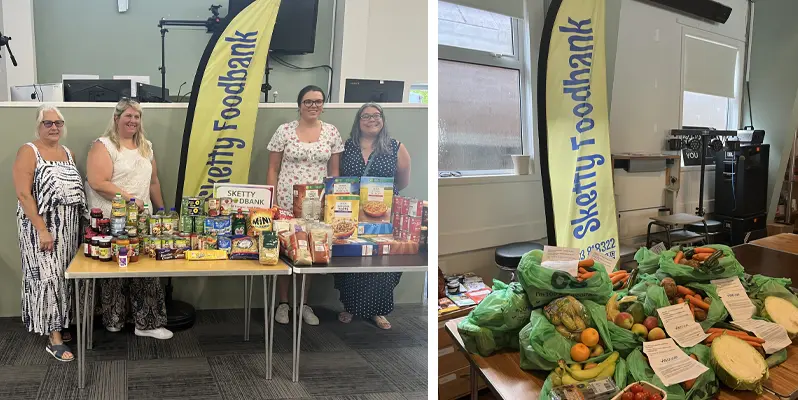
{"x":568,"y":316}
{"x":571,"y":374}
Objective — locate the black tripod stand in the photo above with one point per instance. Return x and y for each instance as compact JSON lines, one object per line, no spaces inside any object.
{"x":4,"y":42}
{"x":209,"y":24}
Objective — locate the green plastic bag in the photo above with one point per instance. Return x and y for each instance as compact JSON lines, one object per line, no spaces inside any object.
{"x":542,"y":346}
{"x":685,"y":274}
{"x":621,"y":374}
{"x":644,"y":281}
{"x":706,"y":386}
{"x":542,"y":285}
{"x":655,"y":298}
{"x":494,"y":323}
{"x":647,"y":260}
{"x":760,"y":287}
{"x":717,"y":311}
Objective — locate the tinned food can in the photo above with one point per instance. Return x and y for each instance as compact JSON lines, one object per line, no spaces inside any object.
{"x":156,"y":242}
{"x":181,"y":242}
{"x":186,"y":223}
{"x":225,"y":205}
{"x":199,"y":224}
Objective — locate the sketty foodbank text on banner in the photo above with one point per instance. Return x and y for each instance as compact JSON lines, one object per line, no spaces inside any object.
{"x":577,"y":134}
{"x":225,"y":112}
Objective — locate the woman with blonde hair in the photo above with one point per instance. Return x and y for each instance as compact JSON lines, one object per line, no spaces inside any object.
{"x":51,"y":200}
{"x":122,"y":161}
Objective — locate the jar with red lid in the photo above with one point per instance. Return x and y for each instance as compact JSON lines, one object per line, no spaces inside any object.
{"x":96,"y":216}
{"x":104,"y":226}
{"x":87,"y":244}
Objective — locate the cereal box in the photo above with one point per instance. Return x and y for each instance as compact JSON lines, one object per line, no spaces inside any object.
{"x":376,"y":200}
{"x":341,"y":211}
{"x":342,"y":185}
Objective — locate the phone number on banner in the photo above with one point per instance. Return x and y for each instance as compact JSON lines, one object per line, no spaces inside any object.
{"x":607,"y":247}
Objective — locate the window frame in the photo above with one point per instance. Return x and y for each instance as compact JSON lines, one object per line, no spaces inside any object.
{"x":734,"y":117}
{"x":517,"y":62}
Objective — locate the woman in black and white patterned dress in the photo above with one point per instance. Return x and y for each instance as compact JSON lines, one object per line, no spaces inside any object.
{"x":370,"y":151}
{"x":51,"y":199}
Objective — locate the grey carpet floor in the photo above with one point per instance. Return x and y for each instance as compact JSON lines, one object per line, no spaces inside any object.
{"x":212,"y":361}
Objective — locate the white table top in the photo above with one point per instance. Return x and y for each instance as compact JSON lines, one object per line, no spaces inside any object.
{"x":341,"y":265}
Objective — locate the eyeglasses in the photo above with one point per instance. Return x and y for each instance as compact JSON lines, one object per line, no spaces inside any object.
{"x":310,"y":103}
{"x":49,"y":124}
{"x":366,"y":117}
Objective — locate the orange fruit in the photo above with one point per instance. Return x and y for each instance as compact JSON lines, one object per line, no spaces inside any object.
{"x":580,"y":352}
{"x":590,"y":365}
{"x":590,"y":337}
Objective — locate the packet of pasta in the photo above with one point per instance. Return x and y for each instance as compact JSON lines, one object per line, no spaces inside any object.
{"x":268,"y":248}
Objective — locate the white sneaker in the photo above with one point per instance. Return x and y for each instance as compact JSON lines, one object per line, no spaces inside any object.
{"x":112,"y":329}
{"x":160,"y":333}
{"x":281,"y":316}
{"x":309,"y":317}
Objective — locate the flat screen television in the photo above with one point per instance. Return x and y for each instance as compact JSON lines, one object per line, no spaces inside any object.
{"x":295,"y":30}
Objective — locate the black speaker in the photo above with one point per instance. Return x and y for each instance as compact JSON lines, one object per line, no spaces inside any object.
{"x":741,"y":181}
{"x":706,"y":9}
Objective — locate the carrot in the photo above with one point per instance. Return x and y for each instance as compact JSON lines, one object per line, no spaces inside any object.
{"x":688,"y":384}
{"x":679,"y":300}
{"x":684,"y":291}
{"x":588,"y":262}
{"x":582,"y":270}
{"x":588,"y":275}
{"x":701,"y":256}
{"x":739,"y":334}
{"x":692,"y":307}
{"x":678,"y":257}
{"x":711,"y":337}
{"x":617,"y":278}
{"x":699,"y":303}
{"x":706,"y":250}
{"x":618,"y":272}
{"x":579,"y":279}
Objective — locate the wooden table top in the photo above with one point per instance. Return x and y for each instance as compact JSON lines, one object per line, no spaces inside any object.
{"x":786,"y":242}
{"x":762,"y":260}
{"x":503,"y":374}
{"x":85,"y":267}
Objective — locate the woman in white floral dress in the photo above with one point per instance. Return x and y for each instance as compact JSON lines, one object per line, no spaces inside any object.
{"x":304,"y":151}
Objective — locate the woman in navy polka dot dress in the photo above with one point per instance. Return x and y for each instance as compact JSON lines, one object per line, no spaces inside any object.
{"x":370,"y":151}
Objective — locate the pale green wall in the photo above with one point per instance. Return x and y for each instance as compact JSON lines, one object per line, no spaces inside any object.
{"x":773,"y":85}
{"x":165,"y":128}
{"x":92,"y":37}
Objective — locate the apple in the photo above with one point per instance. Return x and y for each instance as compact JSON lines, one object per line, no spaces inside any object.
{"x":650,"y":323}
{"x":640,"y":330}
{"x":624,"y":320}
{"x":656,"y":334}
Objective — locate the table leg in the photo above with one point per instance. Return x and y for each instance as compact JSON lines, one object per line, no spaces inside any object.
{"x":86,"y":335}
{"x":271,"y":324}
{"x":79,"y":333}
{"x":293,"y":314}
{"x":246,"y":316}
{"x":249,"y":306}
{"x":90,"y":315}
{"x":472,"y":380}
{"x":299,"y":322}
{"x":424,"y":294}
{"x":266,"y":326}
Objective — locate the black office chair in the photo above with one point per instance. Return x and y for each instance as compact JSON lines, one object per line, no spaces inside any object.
{"x":509,"y":256}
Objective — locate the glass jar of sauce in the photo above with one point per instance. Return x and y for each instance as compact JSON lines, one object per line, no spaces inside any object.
{"x":105,"y":226}
{"x":104,"y":252}
{"x":96,"y":216}
{"x":87,"y":244}
{"x":95,"y":247}
{"x":135,"y":249}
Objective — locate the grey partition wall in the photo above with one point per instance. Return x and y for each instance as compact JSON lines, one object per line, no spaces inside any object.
{"x":164,"y":125}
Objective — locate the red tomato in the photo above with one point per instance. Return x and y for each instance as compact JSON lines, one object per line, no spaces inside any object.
{"x":641,"y":396}
{"x":636,"y":388}
{"x":655,"y":396}
{"x":628,"y":396}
